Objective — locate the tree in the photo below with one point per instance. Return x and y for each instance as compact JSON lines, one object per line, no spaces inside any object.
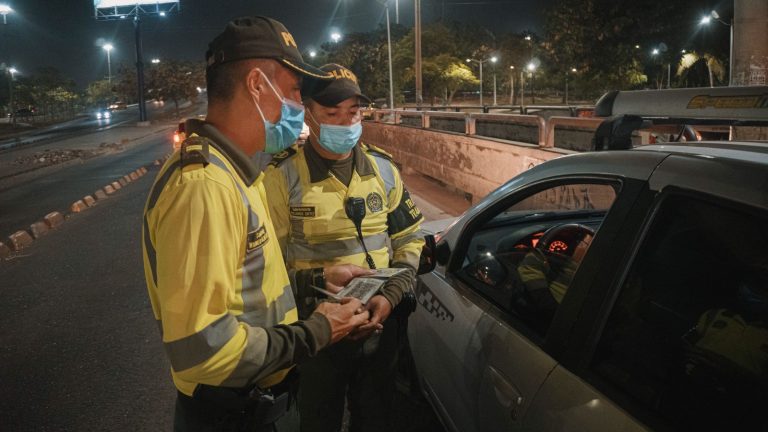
{"x":695,"y":70}
{"x":98,"y":93}
{"x":175,"y":81}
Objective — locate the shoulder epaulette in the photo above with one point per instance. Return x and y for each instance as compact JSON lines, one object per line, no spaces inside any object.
{"x":281,"y":157}
{"x":369,"y":148}
{"x":188,"y":157}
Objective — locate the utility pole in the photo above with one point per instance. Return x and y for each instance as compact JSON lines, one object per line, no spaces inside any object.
{"x":417,"y":33}
{"x":140,"y":69}
{"x":397,"y":11}
{"x":522,"y":91}
{"x":389,"y":52}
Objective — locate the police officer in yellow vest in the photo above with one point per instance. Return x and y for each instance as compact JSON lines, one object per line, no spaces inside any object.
{"x":216,"y":279}
{"x":336,"y":200}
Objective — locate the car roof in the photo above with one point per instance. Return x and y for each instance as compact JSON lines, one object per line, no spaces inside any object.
{"x":741,"y":151}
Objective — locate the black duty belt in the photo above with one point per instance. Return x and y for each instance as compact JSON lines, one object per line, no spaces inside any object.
{"x":243,"y":408}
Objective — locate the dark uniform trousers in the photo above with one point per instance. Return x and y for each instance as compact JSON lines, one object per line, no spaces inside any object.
{"x":348,"y":369}
{"x":214,"y":409}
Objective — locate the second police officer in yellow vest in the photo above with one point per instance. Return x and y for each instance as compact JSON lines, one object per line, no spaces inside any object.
{"x":309,"y":191}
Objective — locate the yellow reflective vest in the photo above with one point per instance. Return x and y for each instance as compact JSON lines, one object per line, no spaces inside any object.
{"x":306,"y":202}
{"x":214,"y":270}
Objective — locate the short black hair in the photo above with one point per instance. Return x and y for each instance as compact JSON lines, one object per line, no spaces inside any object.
{"x":222,"y":80}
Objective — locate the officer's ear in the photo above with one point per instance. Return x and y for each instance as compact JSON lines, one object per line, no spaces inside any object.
{"x":255,"y":82}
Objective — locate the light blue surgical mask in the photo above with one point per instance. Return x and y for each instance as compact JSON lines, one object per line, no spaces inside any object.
{"x":340,"y":139}
{"x":281,"y":135}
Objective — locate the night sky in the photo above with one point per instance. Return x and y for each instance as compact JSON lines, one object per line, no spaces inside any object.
{"x":65,"y":34}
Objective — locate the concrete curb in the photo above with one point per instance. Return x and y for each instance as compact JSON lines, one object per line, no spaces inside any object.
{"x":38,"y":229}
{"x":78,"y":206}
{"x":54,"y":219}
{"x":20,"y":240}
{"x":23,"y":238}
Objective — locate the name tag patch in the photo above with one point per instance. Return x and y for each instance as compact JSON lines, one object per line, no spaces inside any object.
{"x":303,"y":211}
{"x":257,"y":239}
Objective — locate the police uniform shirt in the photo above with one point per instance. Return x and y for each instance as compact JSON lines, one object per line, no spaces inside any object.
{"x":306,"y":202}
{"x":215,"y":275}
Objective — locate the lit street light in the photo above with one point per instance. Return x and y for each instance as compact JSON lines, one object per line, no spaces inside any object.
{"x":493,"y":59}
{"x":511,"y":85}
{"x":532,"y":70}
{"x":336,"y":37}
{"x":565,"y":99}
{"x":708,"y":19}
{"x":13,"y":71}
{"x":313,"y":54}
{"x":4,"y":11}
{"x":108,"y":48}
{"x":155,"y":60}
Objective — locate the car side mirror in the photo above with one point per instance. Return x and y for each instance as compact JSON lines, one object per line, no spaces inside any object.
{"x":432,"y":254}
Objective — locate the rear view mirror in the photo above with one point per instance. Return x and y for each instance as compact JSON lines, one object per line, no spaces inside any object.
{"x":427,"y":260}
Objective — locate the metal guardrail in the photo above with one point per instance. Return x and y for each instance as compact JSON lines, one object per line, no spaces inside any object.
{"x":545,"y":128}
{"x":574,"y":110}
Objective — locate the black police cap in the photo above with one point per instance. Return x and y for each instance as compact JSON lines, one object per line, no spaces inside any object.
{"x":259,"y":37}
{"x":342,"y":86}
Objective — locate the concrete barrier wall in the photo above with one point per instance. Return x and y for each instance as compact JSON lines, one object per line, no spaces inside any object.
{"x":471,"y":164}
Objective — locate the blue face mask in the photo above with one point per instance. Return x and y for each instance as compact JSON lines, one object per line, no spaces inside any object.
{"x":340,"y":139}
{"x":281,"y":135}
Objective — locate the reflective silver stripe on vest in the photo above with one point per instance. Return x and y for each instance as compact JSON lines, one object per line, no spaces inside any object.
{"x":327,"y":250}
{"x":251,"y":361}
{"x":263,"y":316}
{"x":194,"y":349}
{"x":255,"y":309}
{"x":404,"y":240}
{"x":386,"y":173}
{"x":296,"y":193}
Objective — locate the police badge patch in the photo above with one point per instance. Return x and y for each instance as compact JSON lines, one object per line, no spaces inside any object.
{"x":375,"y":202}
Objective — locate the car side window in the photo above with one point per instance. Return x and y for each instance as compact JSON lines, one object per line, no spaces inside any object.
{"x":524,"y":258}
{"x":686,"y":343}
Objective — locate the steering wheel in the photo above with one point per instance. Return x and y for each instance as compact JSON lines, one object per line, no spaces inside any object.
{"x":564,"y":239}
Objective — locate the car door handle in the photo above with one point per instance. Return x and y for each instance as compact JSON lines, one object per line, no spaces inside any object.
{"x":505,"y":390}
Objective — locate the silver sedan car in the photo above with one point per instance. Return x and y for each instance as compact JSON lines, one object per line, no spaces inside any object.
{"x":613,"y":290}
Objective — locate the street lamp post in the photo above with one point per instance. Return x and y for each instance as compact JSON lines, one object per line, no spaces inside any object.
{"x":708,"y":19}
{"x":511,"y":85}
{"x":108,"y":48}
{"x":4,"y":11}
{"x":13,"y":72}
{"x":566,"y":85}
{"x":493,"y":59}
{"x":532,"y":69}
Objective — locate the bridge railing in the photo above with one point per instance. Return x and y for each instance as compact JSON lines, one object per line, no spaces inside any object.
{"x":569,"y":133}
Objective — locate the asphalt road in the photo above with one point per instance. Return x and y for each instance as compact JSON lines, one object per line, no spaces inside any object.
{"x":79,"y":347}
{"x":58,"y":187}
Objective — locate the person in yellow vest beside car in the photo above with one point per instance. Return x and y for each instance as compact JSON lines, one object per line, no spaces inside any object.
{"x":336,"y":200}
{"x":218,"y":285}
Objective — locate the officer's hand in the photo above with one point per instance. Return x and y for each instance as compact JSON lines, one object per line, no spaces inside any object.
{"x":344,"y":317}
{"x":380,"y":309}
{"x":336,"y":277}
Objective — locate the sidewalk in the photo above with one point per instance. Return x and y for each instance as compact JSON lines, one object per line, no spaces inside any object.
{"x":435,"y":201}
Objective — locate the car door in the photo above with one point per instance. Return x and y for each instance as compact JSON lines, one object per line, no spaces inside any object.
{"x":679,"y":341}
{"x":445,"y":335}
{"x":515,"y":364}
